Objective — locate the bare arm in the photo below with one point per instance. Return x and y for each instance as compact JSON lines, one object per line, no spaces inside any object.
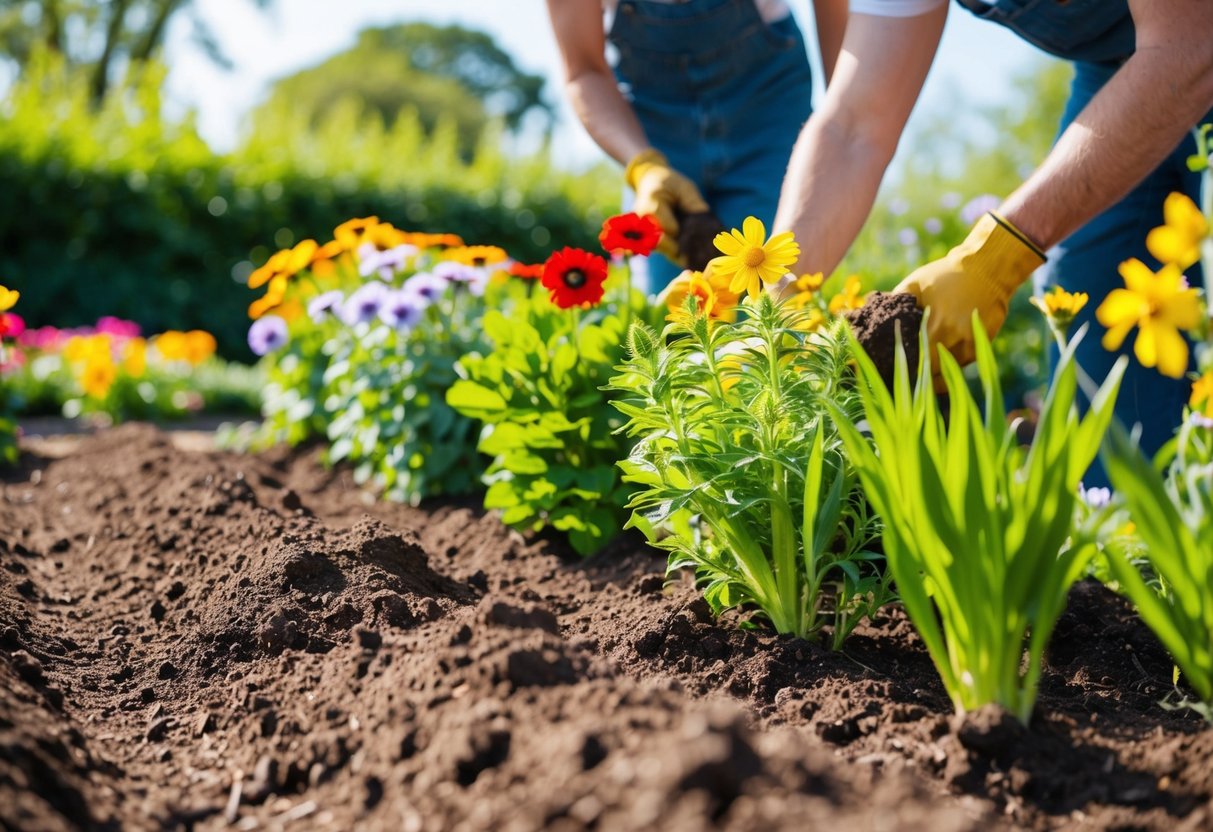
{"x":1128,"y":128}
{"x":831,"y":16}
{"x":589,"y":82}
{"x":844,"y":148}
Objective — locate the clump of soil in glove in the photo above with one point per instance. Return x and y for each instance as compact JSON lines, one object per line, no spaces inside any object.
{"x":695,"y":235}
{"x":876,"y":326}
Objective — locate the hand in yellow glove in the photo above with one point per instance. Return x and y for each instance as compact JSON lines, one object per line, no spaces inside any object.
{"x":981,"y":273}
{"x":664,"y":194}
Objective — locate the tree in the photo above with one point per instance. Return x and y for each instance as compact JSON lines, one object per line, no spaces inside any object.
{"x":439,"y":72}
{"x":99,"y":37}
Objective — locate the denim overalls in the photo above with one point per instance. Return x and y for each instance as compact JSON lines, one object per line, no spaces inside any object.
{"x":721,"y":93}
{"x":1098,"y":36}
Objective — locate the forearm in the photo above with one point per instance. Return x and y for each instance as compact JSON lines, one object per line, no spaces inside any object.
{"x":831,"y":18}
{"x":828,"y":192}
{"x":606,"y":115}
{"x":1126,"y":131}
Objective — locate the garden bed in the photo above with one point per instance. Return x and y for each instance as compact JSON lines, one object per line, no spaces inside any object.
{"x":204,"y":640}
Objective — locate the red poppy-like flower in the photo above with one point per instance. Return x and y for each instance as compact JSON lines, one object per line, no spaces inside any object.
{"x":526,"y":271}
{"x":630,"y":233}
{"x":574,"y":277}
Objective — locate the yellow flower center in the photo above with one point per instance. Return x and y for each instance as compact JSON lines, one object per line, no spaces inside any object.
{"x":754,"y":256}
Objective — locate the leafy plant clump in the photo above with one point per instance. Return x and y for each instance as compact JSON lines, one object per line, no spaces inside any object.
{"x":977,"y":530}
{"x":549,"y":429}
{"x":740,"y":466}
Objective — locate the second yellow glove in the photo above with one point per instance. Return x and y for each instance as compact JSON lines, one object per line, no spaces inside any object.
{"x":982,"y":273}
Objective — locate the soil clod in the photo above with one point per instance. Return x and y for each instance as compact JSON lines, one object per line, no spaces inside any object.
{"x":876,"y":325}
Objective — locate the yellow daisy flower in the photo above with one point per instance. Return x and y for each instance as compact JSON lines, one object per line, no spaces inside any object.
{"x":1202,"y":395}
{"x":715,"y":298}
{"x":749,"y":259}
{"x":134,"y":357}
{"x":98,"y":375}
{"x":8,"y":298}
{"x":1060,"y":306}
{"x":851,"y":296}
{"x":476,"y":255}
{"x":808,"y":283}
{"x":1178,"y":241}
{"x":1160,"y":305}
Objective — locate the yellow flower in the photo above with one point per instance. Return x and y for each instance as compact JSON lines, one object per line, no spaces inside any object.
{"x":851,"y":296}
{"x":81,"y":348}
{"x":811,"y":322}
{"x":1060,"y":306}
{"x":199,"y":346}
{"x":749,"y":259}
{"x":273,"y":267}
{"x":134,"y":357}
{"x":1160,"y":305}
{"x":98,"y":375}
{"x":1202,"y":395}
{"x":272,"y":298}
{"x":808,"y":283}
{"x":1178,"y":241}
{"x":8,"y":298}
{"x":689,"y":284}
{"x":171,"y":345}
{"x":476,"y":255}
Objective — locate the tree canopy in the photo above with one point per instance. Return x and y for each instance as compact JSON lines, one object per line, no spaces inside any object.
{"x":100,"y":37}
{"x":439,"y":72}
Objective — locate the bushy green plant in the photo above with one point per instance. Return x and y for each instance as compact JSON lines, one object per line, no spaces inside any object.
{"x":977,"y":530}
{"x":739,"y":468}
{"x":548,"y":424}
{"x":1173,"y":515}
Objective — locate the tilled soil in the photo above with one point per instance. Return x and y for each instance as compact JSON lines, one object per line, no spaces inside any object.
{"x":204,"y":640}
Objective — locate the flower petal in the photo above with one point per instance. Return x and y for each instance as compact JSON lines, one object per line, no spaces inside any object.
{"x":754,"y":232}
{"x":1121,"y":307}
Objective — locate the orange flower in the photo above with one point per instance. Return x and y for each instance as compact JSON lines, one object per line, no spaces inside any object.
{"x":272,"y":298}
{"x":526,"y":272}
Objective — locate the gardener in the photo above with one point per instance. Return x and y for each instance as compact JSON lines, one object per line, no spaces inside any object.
{"x":1143,"y":79}
{"x":703,"y":105}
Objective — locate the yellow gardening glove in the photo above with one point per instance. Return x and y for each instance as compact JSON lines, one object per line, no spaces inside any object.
{"x":664,"y":194}
{"x":981,"y":273}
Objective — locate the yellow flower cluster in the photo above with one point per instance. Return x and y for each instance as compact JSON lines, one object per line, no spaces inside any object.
{"x":99,"y":359}
{"x":714,"y":297}
{"x":1162,"y":306}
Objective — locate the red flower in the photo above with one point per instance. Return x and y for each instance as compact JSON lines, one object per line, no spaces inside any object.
{"x":525,"y":271}
{"x":574,"y":277}
{"x":11,"y":326}
{"x":630,"y":233}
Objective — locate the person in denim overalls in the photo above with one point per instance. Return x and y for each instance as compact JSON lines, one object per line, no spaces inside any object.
{"x":1143,"y":80}
{"x":703,"y":104}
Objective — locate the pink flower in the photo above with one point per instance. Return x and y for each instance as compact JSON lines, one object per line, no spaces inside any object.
{"x":118,"y":327}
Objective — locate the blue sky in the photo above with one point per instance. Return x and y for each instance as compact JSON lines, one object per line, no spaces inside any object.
{"x":974,"y":59}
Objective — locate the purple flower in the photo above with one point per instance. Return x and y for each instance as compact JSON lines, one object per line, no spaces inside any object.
{"x":363,"y":305}
{"x":1202,"y":421}
{"x":907,"y":237}
{"x":977,"y":207}
{"x":267,"y":334}
{"x":898,"y":206}
{"x":321,"y":306}
{"x":475,"y":279}
{"x":428,"y":287}
{"x":932,"y":225}
{"x":401,"y":309}
{"x":1096,"y":498}
{"x":384,"y":263}
{"x":950,"y":201}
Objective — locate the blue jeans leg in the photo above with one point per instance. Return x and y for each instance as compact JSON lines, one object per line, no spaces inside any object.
{"x":1088,"y":261}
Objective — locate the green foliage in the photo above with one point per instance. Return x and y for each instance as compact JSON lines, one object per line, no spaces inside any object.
{"x":437,"y":72}
{"x":741,"y":472}
{"x":125,"y":210}
{"x":95,"y":36}
{"x":975,"y":527}
{"x":1174,"y":517}
{"x":8,"y":425}
{"x":548,"y":424}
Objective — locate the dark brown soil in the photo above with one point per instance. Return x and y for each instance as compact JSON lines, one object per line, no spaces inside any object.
{"x":876,"y":325}
{"x":203,"y":640}
{"x":695,"y":235}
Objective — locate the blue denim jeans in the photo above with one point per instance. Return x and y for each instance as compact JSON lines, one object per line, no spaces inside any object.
{"x":721,"y":93}
{"x":1087,"y":261}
